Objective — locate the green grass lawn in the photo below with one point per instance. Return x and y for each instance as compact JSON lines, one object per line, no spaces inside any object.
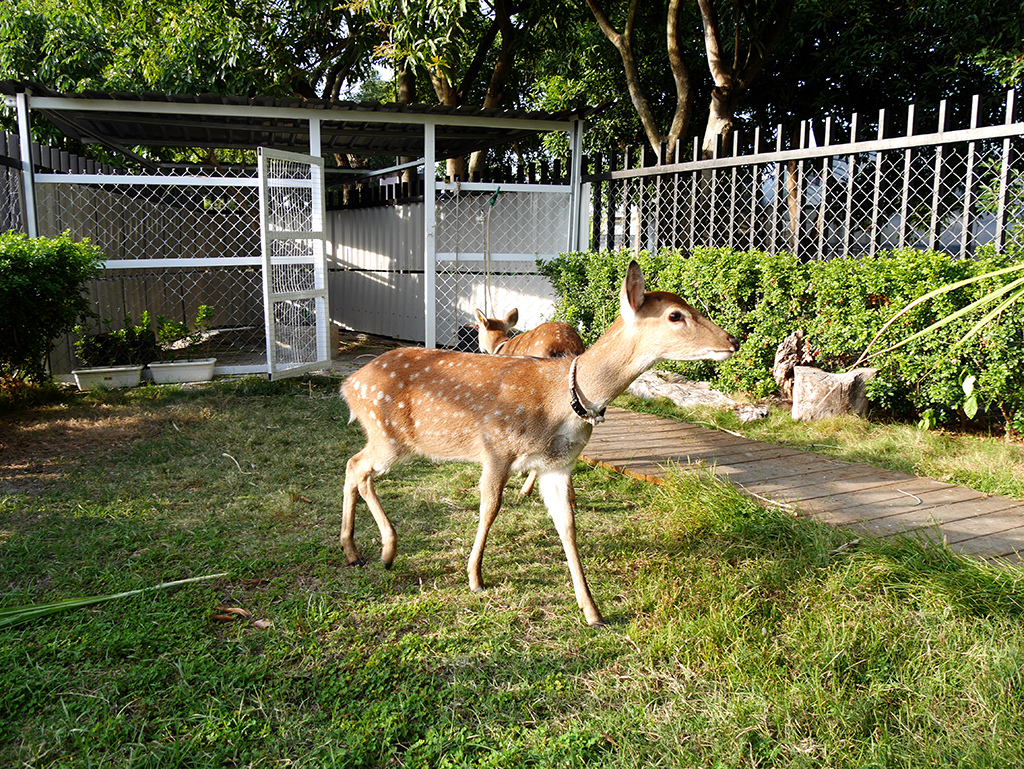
{"x":738,"y":636}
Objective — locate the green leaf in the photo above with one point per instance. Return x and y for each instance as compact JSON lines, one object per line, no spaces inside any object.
{"x":16,"y":615}
{"x":971,"y":405}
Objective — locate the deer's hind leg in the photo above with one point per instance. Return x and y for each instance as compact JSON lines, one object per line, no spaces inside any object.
{"x":531,"y":482}
{"x":359,"y":475}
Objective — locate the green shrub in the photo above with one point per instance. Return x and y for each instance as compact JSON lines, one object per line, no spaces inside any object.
{"x":175,"y":338}
{"x":839,"y":304}
{"x":41,"y":283}
{"x":133,"y":344}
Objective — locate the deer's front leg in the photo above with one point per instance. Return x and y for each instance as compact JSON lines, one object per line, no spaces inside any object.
{"x":492,"y":483}
{"x":557,"y":492}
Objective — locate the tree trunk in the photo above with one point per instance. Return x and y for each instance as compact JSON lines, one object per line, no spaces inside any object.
{"x":720,"y":120}
{"x":496,"y":89}
{"x":407,"y":95}
{"x":793,"y":182}
{"x":447,"y":95}
{"x":732,"y":79}
{"x":818,"y":394}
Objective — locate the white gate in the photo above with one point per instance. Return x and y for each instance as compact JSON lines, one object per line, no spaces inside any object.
{"x":294,"y":262}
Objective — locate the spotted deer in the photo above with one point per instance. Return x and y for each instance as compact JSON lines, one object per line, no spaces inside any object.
{"x":548,"y":340}
{"x":510,"y":413}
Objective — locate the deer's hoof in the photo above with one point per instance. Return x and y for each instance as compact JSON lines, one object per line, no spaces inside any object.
{"x":479,"y":590}
{"x":387,"y":564}
{"x":599,"y":623}
{"x":357,"y":562}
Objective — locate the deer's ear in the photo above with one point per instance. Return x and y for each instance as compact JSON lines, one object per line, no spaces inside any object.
{"x":480,"y":317}
{"x":631,"y":298}
{"x":511,"y":317}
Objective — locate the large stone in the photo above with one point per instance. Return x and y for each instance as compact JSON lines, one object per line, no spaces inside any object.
{"x":793,"y":351}
{"x":818,"y":394}
{"x":683,"y":392}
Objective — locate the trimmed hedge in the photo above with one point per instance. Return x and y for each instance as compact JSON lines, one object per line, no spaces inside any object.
{"x":840,"y":304}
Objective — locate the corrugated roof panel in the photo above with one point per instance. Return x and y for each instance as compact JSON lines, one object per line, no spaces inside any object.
{"x":142,"y":119}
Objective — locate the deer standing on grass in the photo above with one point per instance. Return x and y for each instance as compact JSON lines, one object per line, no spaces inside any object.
{"x":511,"y":413}
{"x":548,"y":340}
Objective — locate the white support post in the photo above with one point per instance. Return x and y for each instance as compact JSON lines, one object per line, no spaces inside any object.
{"x":1004,"y":177}
{"x":826,"y":177}
{"x":848,"y":222}
{"x":966,"y":226}
{"x":429,"y":244}
{"x":314,"y":137}
{"x":575,"y":189}
{"x":28,"y":178}
{"x":905,"y":192}
{"x":876,"y":197}
{"x":933,"y":226}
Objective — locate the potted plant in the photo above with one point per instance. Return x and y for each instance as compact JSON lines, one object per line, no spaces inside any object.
{"x":114,"y":358}
{"x":181,"y":349}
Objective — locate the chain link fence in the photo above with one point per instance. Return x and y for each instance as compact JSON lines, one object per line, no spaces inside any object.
{"x":170,"y":248}
{"x":489,"y":238}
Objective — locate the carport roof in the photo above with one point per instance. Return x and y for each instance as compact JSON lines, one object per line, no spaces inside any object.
{"x":123,"y":120}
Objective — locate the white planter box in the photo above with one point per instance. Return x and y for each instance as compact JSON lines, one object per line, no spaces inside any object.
{"x":112,"y":376}
{"x":176,"y":371}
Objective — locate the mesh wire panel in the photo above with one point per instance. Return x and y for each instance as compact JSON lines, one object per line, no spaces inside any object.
{"x":290,"y":205}
{"x":295,"y":332}
{"x":10,"y":199}
{"x":950,"y":197}
{"x":293,"y":208}
{"x":171,"y":223}
{"x":487,"y":250}
{"x":1012,"y":195}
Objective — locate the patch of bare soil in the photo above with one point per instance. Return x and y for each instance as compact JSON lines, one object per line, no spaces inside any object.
{"x":38,"y":447}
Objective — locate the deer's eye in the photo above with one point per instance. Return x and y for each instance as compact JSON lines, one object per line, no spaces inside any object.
{"x":676,"y":316}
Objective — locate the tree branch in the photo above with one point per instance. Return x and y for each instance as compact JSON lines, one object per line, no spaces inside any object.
{"x":681,"y":76}
{"x":713,"y":47}
{"x":473,"y":71}
{"x":623,"y":42}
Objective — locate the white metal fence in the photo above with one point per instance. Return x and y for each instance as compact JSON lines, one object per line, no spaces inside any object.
{"x":292,"y":223}
{"x":489,"y":237}
{"x":172,"y":243}
{"x":10,"y":184}
{"x":836,"y":193}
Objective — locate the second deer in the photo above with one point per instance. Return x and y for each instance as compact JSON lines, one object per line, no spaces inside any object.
{"x":548,"y":340}
{"x":510,"y":413}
